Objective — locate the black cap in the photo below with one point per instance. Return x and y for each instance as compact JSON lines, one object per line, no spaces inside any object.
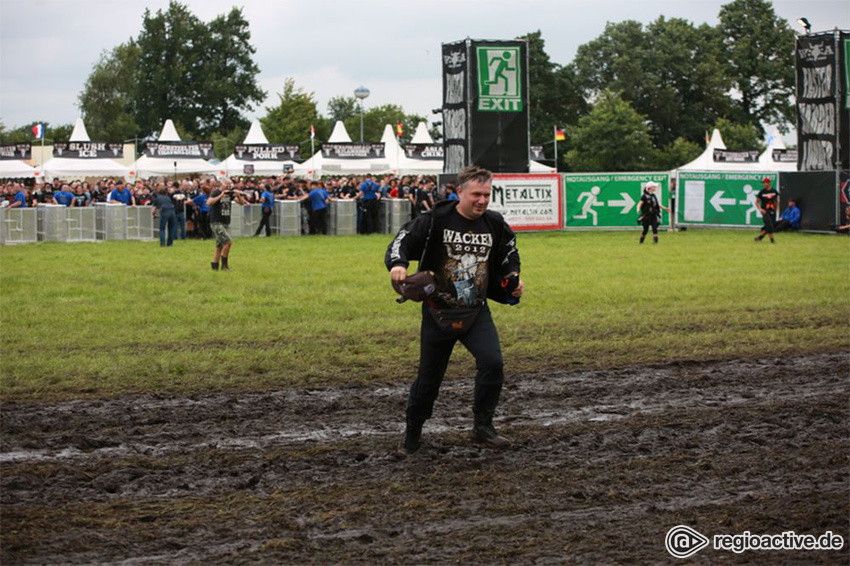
{"x":416,"y":287}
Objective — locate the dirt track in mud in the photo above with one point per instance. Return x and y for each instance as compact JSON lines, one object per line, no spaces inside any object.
{"x":604,"y":463}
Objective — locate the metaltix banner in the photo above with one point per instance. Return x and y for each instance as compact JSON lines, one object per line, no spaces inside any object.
{"x":720,"y":199}
{"x":528,"y":202}
{"x":609,"y":200}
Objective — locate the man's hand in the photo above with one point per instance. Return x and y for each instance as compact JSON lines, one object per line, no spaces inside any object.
{"x":398,"y":273}
{"x":519,"y":289}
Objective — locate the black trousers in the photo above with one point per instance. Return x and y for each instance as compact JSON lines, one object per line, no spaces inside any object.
{"x":646,"y":225}
{"x":769,"y":222}
{"x":265,"y":221}
{"x":782,"y":225}
{"x":319,"y":221}
{"x":435,"y":349}
{"x":371,"y":210}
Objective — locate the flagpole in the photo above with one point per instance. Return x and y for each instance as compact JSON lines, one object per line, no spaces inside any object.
{"x":555,"y":132}
{"x":312,"y":151}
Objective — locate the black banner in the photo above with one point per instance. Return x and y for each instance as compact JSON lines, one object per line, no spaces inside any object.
{"x":817,"y":123}
{"x":16,"y":151}
{"x":179,"y":150}
{"x":455,"y":106}
{"x":267,"y":152}
{"x":88,"y":150}
{"x":844,"y":85}
{"x":784,"y":155}
{"x":815,"y":193}
{"x":537,"y":153}
{"x":844,"y":198}
{"x":353,"y":150}
{"x":726,"y":156}
{"x":424,"y":151}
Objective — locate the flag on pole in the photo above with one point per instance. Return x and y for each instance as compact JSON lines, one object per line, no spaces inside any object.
{"x":707,"y":139}
{"x":38,"y":131}
{"x":399,"y":129}
{"x":312,"y":132}
{"x":560,"y":134}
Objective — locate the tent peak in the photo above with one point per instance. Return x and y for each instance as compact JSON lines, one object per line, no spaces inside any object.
{"x":169,"y":132}
{"x":340,"y":134}
{"x":79,"y":134}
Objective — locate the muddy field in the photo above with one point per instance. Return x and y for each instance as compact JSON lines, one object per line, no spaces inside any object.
{"x":604,"y":463}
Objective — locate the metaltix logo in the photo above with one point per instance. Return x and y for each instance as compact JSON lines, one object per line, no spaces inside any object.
{"x":499,"y":79}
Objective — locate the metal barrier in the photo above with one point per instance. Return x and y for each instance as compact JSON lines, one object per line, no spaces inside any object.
{"x":18,"y":226}
{"x":342,"y":218}
{"x":245,"y":219}
{"x":395,"y":213}
{"x":52,"y":222}
{"x":140,"y":223}
{"x":110,"y":221}
{"x":82,"y":224}
{"x":286,"y":220}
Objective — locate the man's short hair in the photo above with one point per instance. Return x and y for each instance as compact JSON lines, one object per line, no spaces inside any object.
{"x":474,"y":173}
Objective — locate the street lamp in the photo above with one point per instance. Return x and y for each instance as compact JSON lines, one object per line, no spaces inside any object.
{"x":361,"y":92}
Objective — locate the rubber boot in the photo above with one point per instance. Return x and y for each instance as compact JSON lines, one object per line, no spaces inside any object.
{"x":412,"y":437}
{"x":214,"y":265}
{"x":224,"y":266}
{"x":483,"y":432}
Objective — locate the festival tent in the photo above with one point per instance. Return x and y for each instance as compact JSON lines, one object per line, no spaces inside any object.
{"x":318,"y":165}
{"x":78,"y":167}
{"x":421,"y":135}
{"x":412,"y":166}
{"x":236,"y":167}
{"x":776,"y":148}
{"x":16,"y":169}
{"x":147,"y":166}
{"x":706,"y":161}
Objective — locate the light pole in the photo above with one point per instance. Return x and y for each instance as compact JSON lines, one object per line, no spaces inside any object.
{"x":361,"y":92}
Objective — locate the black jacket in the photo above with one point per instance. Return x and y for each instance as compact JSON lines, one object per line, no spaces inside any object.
{"x":418,"y":241}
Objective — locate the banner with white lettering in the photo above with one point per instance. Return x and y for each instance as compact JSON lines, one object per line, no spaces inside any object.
{"x":17,"y":151}
{"x":817,"y":122}
{"x":267,"y":152}
{"x":455,"y":106}
{"x":179,"y":150}
{"x":424,"y":151}
{"x":528,"y":201}
{"x":536,"y":153}
{"x":88,"y":150}
{"x":784,"y":155}
{"x":727,"y":156}
{"x":353,"y":150}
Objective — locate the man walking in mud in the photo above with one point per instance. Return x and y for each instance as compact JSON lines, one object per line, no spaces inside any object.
{"x":472,"y":255}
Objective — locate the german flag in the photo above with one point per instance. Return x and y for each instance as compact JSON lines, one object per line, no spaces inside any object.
{"x":560,"y":134}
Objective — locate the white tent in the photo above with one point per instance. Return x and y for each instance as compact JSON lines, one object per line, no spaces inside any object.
{"x":421,"y":135}
{"x":766,"y":161}
{"x":72,"y":167}
{"x":16,"y":169}
{"x":164,"y":166}
{"x":706,"y":162}
{"x":317,"y":165}
{"x":236,"y":167}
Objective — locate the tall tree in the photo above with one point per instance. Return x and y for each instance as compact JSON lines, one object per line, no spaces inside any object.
{"x":613,"y":137}
{"x":343,"y":108}
{"x":106,"y":101}
{"x":289,"y":122}
{"x":740,"y":137}
{"x":669,"y":72}
{"x":758,"y":55}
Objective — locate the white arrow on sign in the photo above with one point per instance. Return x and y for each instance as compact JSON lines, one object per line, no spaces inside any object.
{"x":627,"y":203}
{"x":717,"y":201}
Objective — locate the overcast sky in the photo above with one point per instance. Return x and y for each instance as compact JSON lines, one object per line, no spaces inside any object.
{"x":48,"y":47}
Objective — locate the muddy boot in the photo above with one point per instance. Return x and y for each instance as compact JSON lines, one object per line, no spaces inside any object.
{"x":412,"y":437}
{"x":483,"y":432}
{"x":224,"y":266}
{"x":214,"y":265}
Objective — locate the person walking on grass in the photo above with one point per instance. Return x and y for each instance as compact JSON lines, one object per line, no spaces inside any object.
{"x":220,"y":202}
{"x":766,"y":200}
{"x":472,"y":255}
{"x":649,"y":211}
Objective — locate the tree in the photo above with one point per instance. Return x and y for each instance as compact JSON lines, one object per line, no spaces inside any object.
{"x":668,"y":72}
{"x":758,"y":55}
{"x":375,"y":119}
{"x":106,"y":101}
{"x":613,"y":137}
{"x":343,"y":108}
{"x":678,"y":153}
{"x":554,"y":96}
{"x":739,"y":137}
{"x":200,"y":75}
{"x":289,"y":122}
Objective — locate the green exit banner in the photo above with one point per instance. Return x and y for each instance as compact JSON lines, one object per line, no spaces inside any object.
{"x":720,"y":199}
{"x":609,"y":200}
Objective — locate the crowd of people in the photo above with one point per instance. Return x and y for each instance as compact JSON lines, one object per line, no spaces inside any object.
{"x":190,"y":197}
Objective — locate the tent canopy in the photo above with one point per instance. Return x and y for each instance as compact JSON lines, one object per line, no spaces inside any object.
{"x":236,"y":167}
{"x":70,"y":167}
{"x":16,"y":169}
{"x":317,"y":165}
{"x":153,"y":167}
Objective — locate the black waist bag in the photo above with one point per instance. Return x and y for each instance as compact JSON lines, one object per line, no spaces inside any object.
{"x":454,"y":322}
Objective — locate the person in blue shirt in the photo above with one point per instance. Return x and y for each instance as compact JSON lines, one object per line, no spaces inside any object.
{"x":64,"y":197}
{"x":790,"y":219}
{"x":20,"y":200}
{"x":121,"y":195}
{"x":267,"y":198}
{"x":319,"y":199}
{"x":369,"y":195}
{"x":202,"y":216}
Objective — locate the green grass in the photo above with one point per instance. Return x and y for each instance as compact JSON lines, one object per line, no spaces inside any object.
{"x":82,"y":320}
